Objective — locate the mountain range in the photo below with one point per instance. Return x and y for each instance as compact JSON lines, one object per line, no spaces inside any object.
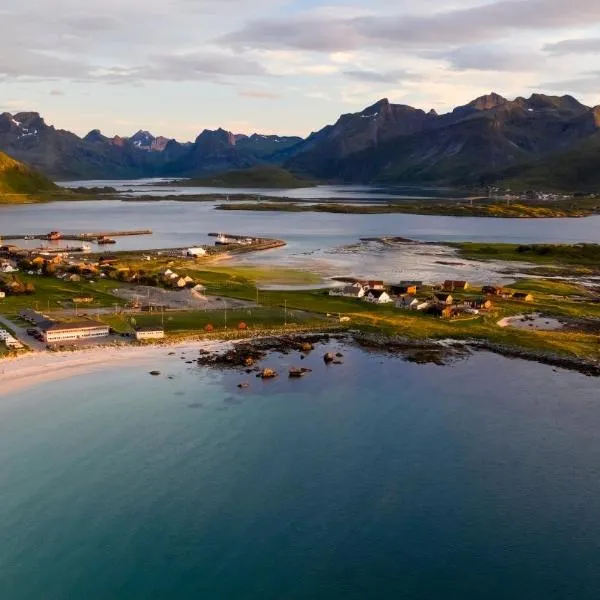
{"x":540,"y":140}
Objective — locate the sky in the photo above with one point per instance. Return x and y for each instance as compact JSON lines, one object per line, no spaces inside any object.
{"x":176,"y":67}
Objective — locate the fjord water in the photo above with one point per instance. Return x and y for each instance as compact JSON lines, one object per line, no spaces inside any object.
{"x":376,"y":479}
{"x":178,"y":224}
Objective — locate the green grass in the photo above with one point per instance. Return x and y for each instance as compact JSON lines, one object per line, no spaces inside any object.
{"x":551,"y":254}
{"x":54,"y":294}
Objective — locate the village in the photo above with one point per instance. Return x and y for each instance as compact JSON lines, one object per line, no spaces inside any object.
{"x":449,"y":300}
{"x":65,"y":300}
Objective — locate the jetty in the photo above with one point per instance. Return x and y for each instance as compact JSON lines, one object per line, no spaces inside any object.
{"x":80,"y":237}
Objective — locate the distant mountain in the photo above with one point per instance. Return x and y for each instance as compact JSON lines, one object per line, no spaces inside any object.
{"x":220,"y":151}
{"x":477,"y":141}
{"x":18,"y":182}
{"x":63,"y":155}
{"x":539,"y":139}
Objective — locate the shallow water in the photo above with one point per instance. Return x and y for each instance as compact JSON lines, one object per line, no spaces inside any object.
{"x":375,"y":479}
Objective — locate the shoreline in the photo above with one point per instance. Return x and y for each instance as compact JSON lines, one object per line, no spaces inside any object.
{"x":27,"y":370}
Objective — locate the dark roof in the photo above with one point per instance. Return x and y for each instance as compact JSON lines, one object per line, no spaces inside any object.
{"x":442,"y":295}
{"x":376,"y":293}
{"x":77,"y":325}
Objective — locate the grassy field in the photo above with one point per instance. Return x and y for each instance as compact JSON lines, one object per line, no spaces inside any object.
{"x":583,"y":255}
{"x":315,"y":308}
{"x":54,"y":294}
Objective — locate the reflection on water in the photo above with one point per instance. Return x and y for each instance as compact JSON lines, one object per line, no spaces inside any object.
{"x":151,"y":187}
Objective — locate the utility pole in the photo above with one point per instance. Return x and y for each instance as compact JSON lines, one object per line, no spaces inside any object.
{"x":285,"y":313}
{"x":225,"y":314}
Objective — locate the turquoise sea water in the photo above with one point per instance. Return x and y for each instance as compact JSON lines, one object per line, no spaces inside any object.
{"x":377,"y":479}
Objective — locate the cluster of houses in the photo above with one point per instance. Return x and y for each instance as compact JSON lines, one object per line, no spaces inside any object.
{"x":174,"y":280}
{"x":447,"y":300}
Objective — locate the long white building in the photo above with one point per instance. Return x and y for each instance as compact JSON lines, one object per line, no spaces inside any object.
{"x":64,"y":332}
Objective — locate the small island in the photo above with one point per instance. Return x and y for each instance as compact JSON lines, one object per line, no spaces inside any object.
{"x":264,"y":176}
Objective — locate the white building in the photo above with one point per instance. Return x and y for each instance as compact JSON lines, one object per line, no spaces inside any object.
{"x":2,"y":294}
{"x":377,"y":297}
{"x":9,"y":340}
{"x":356,"y":290}
{"x":195,"y":252}
{"x":63,"y":332}
{"x":149,"y":333}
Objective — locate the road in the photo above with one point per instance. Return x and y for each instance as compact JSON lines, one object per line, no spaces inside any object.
{"x":21,"y":335}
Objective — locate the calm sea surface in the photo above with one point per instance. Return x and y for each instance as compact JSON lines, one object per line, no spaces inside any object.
{"x":377,"y":479}
{"x":178,"y":224}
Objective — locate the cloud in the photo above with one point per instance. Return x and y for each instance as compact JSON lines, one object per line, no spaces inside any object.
{"x":466,"y":25}
{"x":260,"y":94}
{"x":588,"y":83}
{"x":56,"y":93}
{"x":577,"y":46}
{"x":486,"y":57}
{"x":395,"y":76}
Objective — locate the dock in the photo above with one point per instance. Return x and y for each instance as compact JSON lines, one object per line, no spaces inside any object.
{"x":78,"y":237}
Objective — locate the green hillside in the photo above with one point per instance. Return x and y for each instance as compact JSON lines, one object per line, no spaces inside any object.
{"x":19,"y":183}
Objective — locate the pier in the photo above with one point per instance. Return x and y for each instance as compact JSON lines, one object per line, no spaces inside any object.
{"x":79,"y":237}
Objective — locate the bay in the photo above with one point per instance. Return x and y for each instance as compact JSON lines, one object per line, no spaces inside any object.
{"x":375,"y":479}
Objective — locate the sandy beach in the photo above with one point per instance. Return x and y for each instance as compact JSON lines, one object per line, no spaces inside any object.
{"x":34,"y":369}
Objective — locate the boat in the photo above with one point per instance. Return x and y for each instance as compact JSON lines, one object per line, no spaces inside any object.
{"x":106,"y":240}
{"x":222,"y":240}
{"x":55,"y":235}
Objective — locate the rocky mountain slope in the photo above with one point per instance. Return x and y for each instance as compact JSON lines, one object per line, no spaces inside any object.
{"x":491,"y":139}
{"x":474,"y":143}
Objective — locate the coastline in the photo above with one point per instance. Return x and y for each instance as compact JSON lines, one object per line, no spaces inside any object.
{"x":20,"y":372}
{"x":27,"y":370}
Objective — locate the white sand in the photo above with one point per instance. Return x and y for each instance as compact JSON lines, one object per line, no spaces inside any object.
{"x":33,"y":369}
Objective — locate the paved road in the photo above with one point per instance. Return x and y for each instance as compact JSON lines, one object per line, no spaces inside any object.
{"x":21,"y":335}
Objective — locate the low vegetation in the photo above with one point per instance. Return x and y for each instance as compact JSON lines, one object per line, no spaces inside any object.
{"x":587,"y":255}
{"x":459,"y":208}
{"x":259,"y":177}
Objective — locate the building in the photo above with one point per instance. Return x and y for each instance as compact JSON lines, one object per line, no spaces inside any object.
{"x":522,"y":297}
{"x":377,"y":297}
{"x":195,"y":252}
{"x":444,"y":298}
{"x":402,"y":289}
{"x":356,"y":290}
{"x":149,"y":333}
{"x":9,"y":340}
{"x":407,"y":302}
{"x":455,"y":285}
{"x":478,"y":303}
{"x":375,"y":285}
{"x":492,"y":290}
{"x":2,"y":294}
{"x":65,"y":332}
